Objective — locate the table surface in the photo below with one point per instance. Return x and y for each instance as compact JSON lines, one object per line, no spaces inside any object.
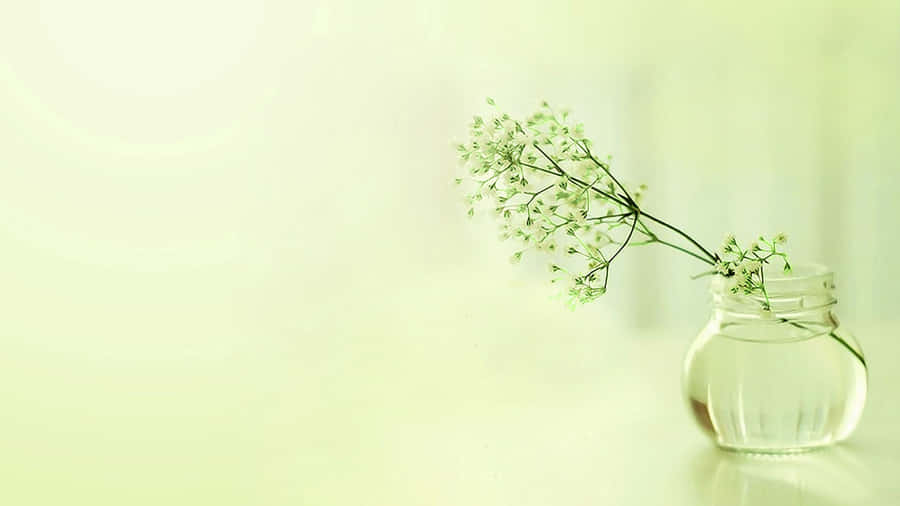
{"x":629,"y":440}
{"x":459,"y":418}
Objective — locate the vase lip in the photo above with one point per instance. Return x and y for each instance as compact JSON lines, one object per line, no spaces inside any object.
{"x":808,"y":287}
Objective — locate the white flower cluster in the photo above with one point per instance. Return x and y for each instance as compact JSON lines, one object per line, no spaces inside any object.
{"x":540,"y":176}
{"x":551,"y":193}
{"x":744,"y":266}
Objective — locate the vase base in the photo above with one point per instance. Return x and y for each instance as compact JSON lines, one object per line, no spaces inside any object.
{"x":774,"y":451}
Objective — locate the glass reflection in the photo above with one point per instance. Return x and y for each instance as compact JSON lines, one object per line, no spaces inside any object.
{"x":834,"y":476}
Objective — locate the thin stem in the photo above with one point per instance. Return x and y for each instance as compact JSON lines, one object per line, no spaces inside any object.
{"x":614,"y":255}
{"x":855,"y":353}
{"x":632,"y":206}
{"x":762,"y":286}
{"x":562,"y":172}
{"x":605,"y":272}
{"x":495,"y":176}
{"x":605,"y":169}
{"x":542,"y":169}
{"x":535,"y":194}
{"x":682,"y":234}
{"x":577,"y":182}
{"x":679,"y":248}
{"x":551,"y":160}
{"x":834,"y":336}
{"x":609,"y":216}
{"x":625,"y":243}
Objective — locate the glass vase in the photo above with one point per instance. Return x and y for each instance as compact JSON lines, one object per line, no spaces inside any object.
{"x":786,"y":379}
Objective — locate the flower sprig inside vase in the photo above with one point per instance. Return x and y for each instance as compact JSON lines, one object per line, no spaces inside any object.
{"x":553,"y":194}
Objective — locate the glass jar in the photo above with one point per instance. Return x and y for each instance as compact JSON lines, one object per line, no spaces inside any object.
{"x":780,"y":380}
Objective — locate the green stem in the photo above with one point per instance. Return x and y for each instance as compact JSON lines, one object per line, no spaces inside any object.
{"x":683,"y":250}
{"x":682,"y":234}
{"x":762,"y":286}
{"x":702,"y":274}
{"x":855,"y":353}
{"x":535,"y":194}
{"x":630,"y":233}
{"x":610,"y":216}
{"x":629,"y":205}
{"x":605,"y":169}
{"x":836,"y":337}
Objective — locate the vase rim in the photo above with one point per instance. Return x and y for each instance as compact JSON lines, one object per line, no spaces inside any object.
{"x":808,"y":288}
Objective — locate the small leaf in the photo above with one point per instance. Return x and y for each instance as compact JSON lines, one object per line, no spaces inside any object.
{"x":490,"y":101}
{"x":471,"y":212}
{"x":515,"y":257}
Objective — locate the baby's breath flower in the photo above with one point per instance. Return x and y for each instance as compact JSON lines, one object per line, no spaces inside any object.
{"x":579,"y":217}
{"x":473,"y":162}
{"x":545,"y":245}
{"x":523,"y":138}
{"x":541,"y":178}
{"x":750,"y":266}
{"x":740,"y":277}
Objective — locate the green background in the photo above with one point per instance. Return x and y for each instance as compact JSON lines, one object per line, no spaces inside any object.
{"x":235,"y":271}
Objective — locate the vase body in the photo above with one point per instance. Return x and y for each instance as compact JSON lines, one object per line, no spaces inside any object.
{"x":780,"y":380}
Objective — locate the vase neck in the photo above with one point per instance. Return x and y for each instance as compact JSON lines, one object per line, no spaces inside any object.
{"x":804,"y":296}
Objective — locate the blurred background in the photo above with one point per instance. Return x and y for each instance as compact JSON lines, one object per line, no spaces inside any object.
{"x":235,"y":269}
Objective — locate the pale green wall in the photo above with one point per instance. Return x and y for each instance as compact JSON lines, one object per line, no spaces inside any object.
{"x":236,"y":218}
